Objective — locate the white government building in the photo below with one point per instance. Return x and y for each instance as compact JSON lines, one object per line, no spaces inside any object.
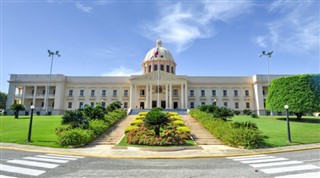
{"x":139,"y":91}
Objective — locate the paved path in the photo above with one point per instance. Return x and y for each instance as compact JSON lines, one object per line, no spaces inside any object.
{"x":113,"y":136}
{"x":200,"y":134}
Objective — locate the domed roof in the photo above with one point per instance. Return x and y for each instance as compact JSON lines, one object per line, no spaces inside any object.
{"x":158,"y":52}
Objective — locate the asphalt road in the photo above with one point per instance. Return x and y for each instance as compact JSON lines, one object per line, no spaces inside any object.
{"x":303,"y":163}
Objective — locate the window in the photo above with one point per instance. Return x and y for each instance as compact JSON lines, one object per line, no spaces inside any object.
{"x":203,"y":93}
{"x":52,"y":104}
{"x":172,"y":70}
{"x":92,"y":92}
{"x":264,"y":103}
{"x":175,"y":92}
{"x":81,"y":105}
{"x":32,"y":92}
{"x":225,"y":104}
{"x":162,"y":67}
{"x":104,"y":92}
{"x":155,"y":67}
{"x":125,"y":93}
{"x":149,"y":68}
{"x":247,"y":105}
{"x":213,"y":92}
{"x":92,"y":104}
{"x":264,"y":92}
{"x":191,"y":92}
{"x":43,"y":91}
{"x":69,"y":104}
{"x":141,"y":92}
{"x":158,"y":89}
{"x":236,"y":105}
{"x":81,"y":92}
{"x":225,"y":93}
{"x":235,"y":92}
{"x":103,"y":104}
{"x":54,"y":92}
{"x":114,"y":93}
{"x":42,"y":104}
{"x":191,"y":104}
{"x":203,"y":103}
{"x":125,"y":104}
{"x":168,"y":68}
{"x":70,"y":92}
{"x":246,"y":92}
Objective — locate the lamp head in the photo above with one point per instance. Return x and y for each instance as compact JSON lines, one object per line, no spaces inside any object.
{"x":286,"y":107}
{"x":32,"y":107}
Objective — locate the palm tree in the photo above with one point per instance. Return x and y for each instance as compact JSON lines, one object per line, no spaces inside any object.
{"x":16,"y":108}
{"x":155,"y":120}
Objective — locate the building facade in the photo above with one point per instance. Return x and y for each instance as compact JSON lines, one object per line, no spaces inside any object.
{"x":158,"y":86}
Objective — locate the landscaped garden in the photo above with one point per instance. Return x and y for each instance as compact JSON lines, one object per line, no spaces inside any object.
{"x":157,"y":128}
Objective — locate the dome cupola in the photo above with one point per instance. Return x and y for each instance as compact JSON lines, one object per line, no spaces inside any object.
{"x":159,"y":58}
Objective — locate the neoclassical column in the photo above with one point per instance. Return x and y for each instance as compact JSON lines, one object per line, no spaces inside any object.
{"x":150,"y":96}
{"x":46,"y":97}
{"x":170,"y":96}
{"x":182,"y":97}
{"x":11,"y":95}
{"x":147,"y":96}
{"x":135,"y":97}
{"x":34,"y":95}
{"x":23,"y":95}
{"x":166,"y":96}
{"x":186,"y":95}
{"x":131,"y":97}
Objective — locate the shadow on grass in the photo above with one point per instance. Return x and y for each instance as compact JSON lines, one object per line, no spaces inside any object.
{"x":303,"y":120}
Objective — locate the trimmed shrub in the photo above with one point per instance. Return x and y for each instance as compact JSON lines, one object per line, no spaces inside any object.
{"x":178,"y":123}
{"x":62,"y":128}
{"x":142,"y":114}
{"x":172,"y":114}
{"x":184,"y":129}
{"x":175,"y":117}
{"x":223,"y":113}
{"x":247,"y":112}
{"x":247,"y":124}
{"x":254,"y":115}
{"x":236,"y":112}
{"x":140,"y":117}
{"x":97,"y":127}
{"x":136,"y":122}
{"x":129,"y":128}
{"x":75,"y":137}
{"x":75,"y":119}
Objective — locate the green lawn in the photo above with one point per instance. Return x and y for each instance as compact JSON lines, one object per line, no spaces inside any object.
{"x":275,"y":127}
{"x":43,"y":130}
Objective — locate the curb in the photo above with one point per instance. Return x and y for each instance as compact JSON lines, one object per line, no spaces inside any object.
{"x":157,"y":156}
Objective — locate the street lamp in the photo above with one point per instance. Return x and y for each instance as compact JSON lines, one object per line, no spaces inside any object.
{"x":288,"y":124}
{"x":51,"y":54}
{"x":215,"y":102}
{"x":268,"y":55}
{"x":30,"y":124}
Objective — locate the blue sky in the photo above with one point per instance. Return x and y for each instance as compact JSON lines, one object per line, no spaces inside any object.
{"x":206,"y":38}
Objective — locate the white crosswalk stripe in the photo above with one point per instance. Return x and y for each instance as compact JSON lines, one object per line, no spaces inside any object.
{"x":304,"y":175}
{"x":48,"y":161}
{"x":274,"y":165}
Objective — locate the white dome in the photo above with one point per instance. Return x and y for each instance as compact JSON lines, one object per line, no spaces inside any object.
{"x":158,"y":52}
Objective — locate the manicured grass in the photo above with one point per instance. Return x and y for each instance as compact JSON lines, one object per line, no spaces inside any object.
{"x":275,"y":127}
{"x":43,"y":130}
{"x":123,"y":142}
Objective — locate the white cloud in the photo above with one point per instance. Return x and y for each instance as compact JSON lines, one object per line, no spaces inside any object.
{"x":122,"y":71}
{"x":181,"y":24}
{"x":83,"y":8}
{"x":295,"y":28}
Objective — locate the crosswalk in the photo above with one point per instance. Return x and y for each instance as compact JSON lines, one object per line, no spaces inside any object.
{"x":34,"y":165}
{"x":278,"y":165}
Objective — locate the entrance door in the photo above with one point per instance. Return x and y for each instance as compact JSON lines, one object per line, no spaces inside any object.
{"x":154,"y":104}
{"x":175,"y":105}
{"x":163,"y":104}
{"x":141,"y":105}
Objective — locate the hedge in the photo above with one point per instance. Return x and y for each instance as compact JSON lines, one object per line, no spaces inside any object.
{"x":246,"y":137}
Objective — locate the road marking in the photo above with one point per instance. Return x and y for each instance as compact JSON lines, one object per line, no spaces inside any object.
{"x":3,"y":176}
{"x":304,"y":175}
{"x":34,"y":163}
{"x":20,"y":170}
{"x":311,"y":160}
{"x":47,"y":160}
{"x":55,"y":157}
{"x":264,"y":160}
{"x":289,"y":169}
{"x":235,"y":157}
{"x":245,"y":159}
{"x":66,"y":156}
{"x":275,"y":164}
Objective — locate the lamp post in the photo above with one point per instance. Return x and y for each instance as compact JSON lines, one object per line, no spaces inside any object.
{"x":288,"y":123}
{"x":51,"y":54}
{"x":30,"y":124}
{"x":215,"y":102}
{"x":268,"y":55}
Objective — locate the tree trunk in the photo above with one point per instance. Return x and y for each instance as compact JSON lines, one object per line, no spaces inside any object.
{"x":157,"y":131}
{"x":16,"y":114}
{"x":299,"y":115}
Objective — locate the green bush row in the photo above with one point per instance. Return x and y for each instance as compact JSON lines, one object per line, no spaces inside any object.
{"x":69,"y":136}
{"x":240,"y":135}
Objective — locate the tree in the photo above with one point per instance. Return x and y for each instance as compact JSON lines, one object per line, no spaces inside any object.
{"x":300,"y":92}
{"x":114,"y":106}
{"x":96,"y":112}
{"x":223,"y":113}
{"x":3,"y":100}
{"x":155,"y":120}
{"x":16,"y":108}
{"x":75,"y":119}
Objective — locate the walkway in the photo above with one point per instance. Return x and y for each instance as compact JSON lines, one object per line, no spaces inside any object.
{"x":200,"y":134}
{"x":113,"y":136}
